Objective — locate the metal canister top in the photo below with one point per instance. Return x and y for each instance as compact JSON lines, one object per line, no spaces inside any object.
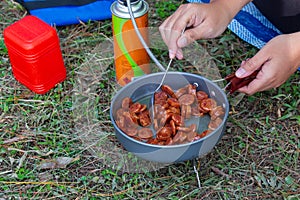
{"x":139,"y":8}
{"x":124,"y":2}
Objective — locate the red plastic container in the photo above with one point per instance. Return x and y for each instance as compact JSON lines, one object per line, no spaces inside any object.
{"x":34,"y":53}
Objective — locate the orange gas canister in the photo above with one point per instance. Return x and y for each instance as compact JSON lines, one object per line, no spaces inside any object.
{"x":131,"y":58}
{"x":34,"y":53}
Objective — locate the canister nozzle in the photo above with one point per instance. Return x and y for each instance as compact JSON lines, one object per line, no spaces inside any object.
{"x":124,"y":2}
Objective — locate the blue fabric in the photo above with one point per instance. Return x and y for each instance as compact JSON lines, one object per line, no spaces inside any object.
{"x":66,"y":15}
{"x":264,"y":34}
{"x":247,"y":23}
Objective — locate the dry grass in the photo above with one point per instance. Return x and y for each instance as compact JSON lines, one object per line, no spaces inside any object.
{"x":45,"y":153}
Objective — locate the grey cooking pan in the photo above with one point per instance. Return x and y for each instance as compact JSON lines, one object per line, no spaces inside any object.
{"x":141,"y":90}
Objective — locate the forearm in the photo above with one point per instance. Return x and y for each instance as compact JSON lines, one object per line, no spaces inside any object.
{"x":232,"y":7}
{"x":294,"y":44}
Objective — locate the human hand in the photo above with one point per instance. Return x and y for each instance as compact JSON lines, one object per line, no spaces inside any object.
{"x":201,"y":20}
{"x":277,"y":61}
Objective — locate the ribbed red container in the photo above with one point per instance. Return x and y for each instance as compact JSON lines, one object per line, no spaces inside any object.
{"x":34,"y":53}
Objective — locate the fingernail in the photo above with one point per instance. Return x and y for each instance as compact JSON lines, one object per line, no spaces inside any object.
{"x":171,"y":54}
{"x":179,"y":55}
{"x":182,"y":42}
{"x":243,"y":62}
{"x":240,"y":72}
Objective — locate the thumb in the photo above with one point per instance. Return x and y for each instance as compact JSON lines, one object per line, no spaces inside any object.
{"x":186,"y":38}
{"x":248,"y":66}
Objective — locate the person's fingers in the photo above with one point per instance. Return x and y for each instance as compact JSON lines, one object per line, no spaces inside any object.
{"x":182,"y":41}
{"x":191,"y":35}
{"x":264,"y":80}
{"x":173,"y":27}
{"x":172,"y":44}
{"x":247,"y":67}
{"x":250,"y":65}
{"x":276,"y":62}
{"x":165,"y":32}
{"x":187,"y":38}
{"x":170,"y":38}
{"x":253,"y":87}
{"x":179,"y":54}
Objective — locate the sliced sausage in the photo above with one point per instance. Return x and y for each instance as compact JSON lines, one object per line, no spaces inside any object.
{"x":145,"y":133}
{"x":186,"y":99}
{"x":208,"y":104}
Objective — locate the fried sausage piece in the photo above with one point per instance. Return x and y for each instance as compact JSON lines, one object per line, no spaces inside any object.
{"x":179,"y":138}
{"x":161,"y":98}
{"x":190,"y":136}
{"x":181,"y":92}
{"x":134,"y":117}
{"x":202,"y":135}
{"x":196,"y":111}
{"x":120,"y":112}
{"x":191,"y":128}
{"x":216,"y":112}
{"x":201,"y":95}
{"x":137,"y":138}
{"x":191,"y":89}
{"x":186,"y":99}
{"x":169,"y":141}
{"x":160,"y":95}
{"x":164,"y":133}
{"x":188,"y":112}
{"x":173,"y":127}
{"x":128,"y":120}
{"x":178,"y":120}
{"x":168,"y":90}
{"x":165,"y":119}
{"x":153,"y":141}
{"x":121,"y":122}
{"x":126,"y":103}
{"x":214,"y":124}
{"x":144,"y":118}
{"x":159,"y":111}
{"x":208,"y":104}
{"x":143,"y":108}
{"x":145,"y":133}
{"x":135,"y":107}
{"x":173,"y":102}
{"x":173,"y":110}
{"x":131,"y":131}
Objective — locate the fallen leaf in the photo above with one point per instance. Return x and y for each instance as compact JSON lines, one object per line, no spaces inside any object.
{"x":60,"y":162}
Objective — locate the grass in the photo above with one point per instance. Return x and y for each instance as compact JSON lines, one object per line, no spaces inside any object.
{"x":44,"y":153}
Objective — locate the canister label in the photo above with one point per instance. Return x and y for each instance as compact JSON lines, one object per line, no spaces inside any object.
{"x":131,"y":59}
